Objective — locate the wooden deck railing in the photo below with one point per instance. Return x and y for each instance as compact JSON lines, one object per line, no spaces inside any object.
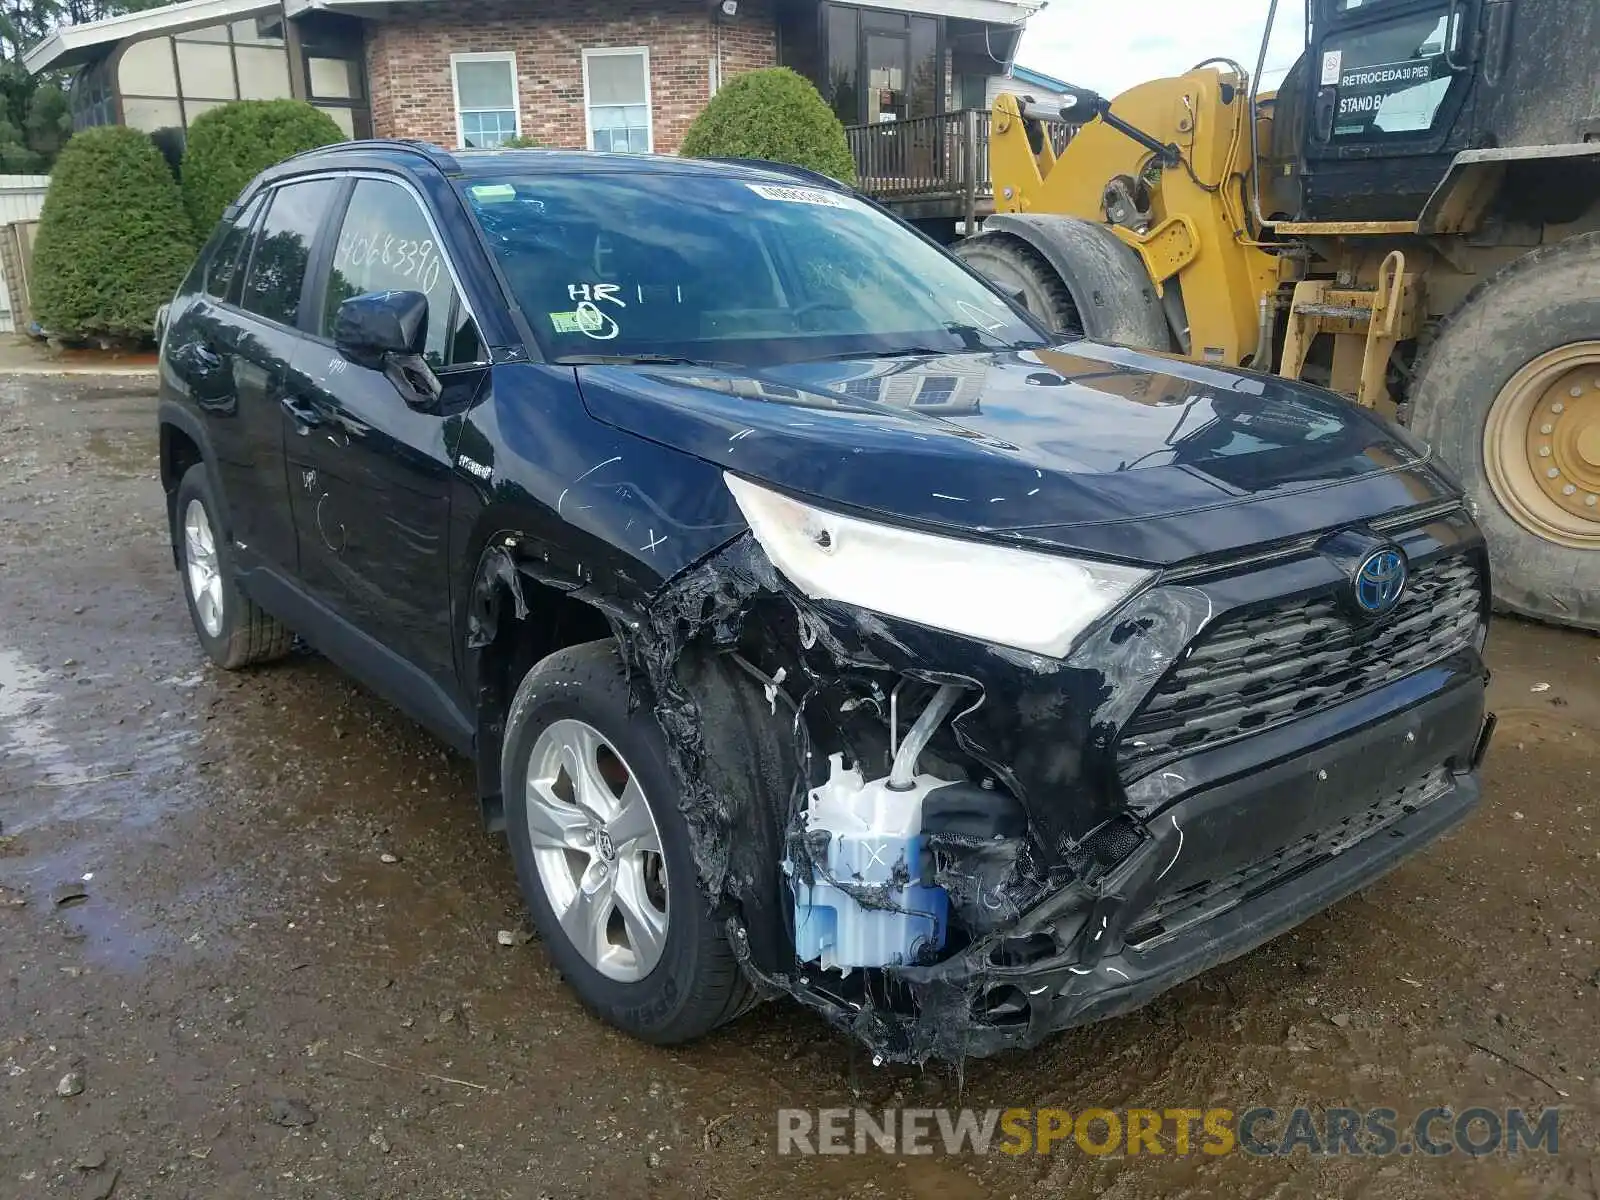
{"x":933,"y":166}
{"x":942,"y":160}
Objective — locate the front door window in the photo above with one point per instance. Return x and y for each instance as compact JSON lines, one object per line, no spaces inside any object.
{"x":386,"y":244}
{"x":1391,"y":79}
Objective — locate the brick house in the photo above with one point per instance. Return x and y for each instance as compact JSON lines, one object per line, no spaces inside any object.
{"x":624,"y":75}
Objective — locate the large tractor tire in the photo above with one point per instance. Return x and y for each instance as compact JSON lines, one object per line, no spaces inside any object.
{"x":1073,"y":275}
{"x":1509,"y":395}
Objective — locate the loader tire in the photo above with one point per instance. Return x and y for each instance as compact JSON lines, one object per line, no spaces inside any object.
{"x":1022,"y":272}
{"x":1510,"y":392}
{"x":1075,"y":276}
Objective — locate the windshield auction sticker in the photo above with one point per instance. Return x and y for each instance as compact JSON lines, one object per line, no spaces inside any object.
{"x":801,"y":195}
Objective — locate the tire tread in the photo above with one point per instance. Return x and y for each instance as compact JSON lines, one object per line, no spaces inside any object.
{"x":1510,"y":311}
{"x":1064,"y":312}
{"x":720,"y":990}
{"x":252,"y":634}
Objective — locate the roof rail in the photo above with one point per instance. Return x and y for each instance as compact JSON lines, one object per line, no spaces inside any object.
{"x":437,"y":155}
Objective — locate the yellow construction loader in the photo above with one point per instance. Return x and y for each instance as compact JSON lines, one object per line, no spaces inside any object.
{"x":1412,"y":219}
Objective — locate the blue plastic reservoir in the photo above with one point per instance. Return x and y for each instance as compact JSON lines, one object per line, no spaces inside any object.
{"x":830,"y":925}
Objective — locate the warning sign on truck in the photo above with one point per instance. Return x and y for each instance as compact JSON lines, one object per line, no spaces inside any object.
{"x":1392,"y":89}
{"x":1388,"y":76}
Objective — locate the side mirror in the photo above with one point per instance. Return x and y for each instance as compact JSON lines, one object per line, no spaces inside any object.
{"x":369,"y":328}
{"x":387,"y":331}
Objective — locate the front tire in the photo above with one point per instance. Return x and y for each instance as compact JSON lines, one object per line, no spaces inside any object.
{"x":233,"y":631}
{"x":603,"y":854}
{"x":1510,"y":396}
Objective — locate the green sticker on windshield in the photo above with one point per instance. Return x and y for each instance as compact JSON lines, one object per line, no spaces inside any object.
{"x":589,"y":322}
{"x":493,"y":191}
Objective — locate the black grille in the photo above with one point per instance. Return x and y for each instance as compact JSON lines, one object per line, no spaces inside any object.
{"x":1259,"y":670}
{"x":1201,"y":901}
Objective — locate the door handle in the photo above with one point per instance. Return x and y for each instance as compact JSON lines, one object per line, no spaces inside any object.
{"x":1322,"y":112}
{"x":302,"y":414}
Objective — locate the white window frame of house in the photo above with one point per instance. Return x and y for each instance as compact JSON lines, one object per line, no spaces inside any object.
{"x":649,"y":102}
{"x":505,"y":56}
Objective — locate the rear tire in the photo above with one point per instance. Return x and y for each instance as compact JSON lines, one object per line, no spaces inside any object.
{"x":1476,"y":379}
{"x":661,"y":987}
{"x":233,"y":631}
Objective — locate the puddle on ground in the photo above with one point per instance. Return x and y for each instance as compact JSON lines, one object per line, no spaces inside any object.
{"x":128,"y":454}
{"x":28,"y":734}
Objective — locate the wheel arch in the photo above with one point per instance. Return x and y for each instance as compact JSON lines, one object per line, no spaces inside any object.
{"x":512,"y":620}
{"x":730,"y":740}
{"x":1537,"y":181}
{"x":184,"y":444}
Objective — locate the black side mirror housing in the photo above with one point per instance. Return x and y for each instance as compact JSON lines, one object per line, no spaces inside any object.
{"x":388,"y":331}
{"x":369,"y":328}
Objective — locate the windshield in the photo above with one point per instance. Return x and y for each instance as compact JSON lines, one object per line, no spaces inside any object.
{"x":720,"y":269}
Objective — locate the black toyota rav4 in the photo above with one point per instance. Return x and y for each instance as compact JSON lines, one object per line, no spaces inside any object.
{"x":818,"y":623}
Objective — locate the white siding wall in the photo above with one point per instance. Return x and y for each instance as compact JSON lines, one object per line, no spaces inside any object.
{"x":21,"y":199}
{"x":1004,"y":83}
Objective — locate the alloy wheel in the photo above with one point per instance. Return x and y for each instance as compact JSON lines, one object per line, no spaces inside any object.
{"x":597,"y":850}
{"x":201,"y":567}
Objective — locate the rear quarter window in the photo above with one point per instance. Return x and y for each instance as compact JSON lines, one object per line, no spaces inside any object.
{"x":276,"y":277}
{"x":222,"y":267}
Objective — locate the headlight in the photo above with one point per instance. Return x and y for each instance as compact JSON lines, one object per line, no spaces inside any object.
{"x":1034,"y":602}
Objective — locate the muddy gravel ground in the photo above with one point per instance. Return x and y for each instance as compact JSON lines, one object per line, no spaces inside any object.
{"x":255,"y":919}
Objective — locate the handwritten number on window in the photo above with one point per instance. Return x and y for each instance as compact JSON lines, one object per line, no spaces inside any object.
{"x":405,"y":258}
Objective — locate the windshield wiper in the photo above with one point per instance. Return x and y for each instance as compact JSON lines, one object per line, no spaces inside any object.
{"x":897,"y":352}
{"x":973,"y":337}
{"x":636,"y":360}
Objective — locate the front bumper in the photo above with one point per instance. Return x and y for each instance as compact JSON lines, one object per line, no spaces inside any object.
{"x":1222,"y":869}
{"x":1132,"y":877}
{"x":1061,"y":996}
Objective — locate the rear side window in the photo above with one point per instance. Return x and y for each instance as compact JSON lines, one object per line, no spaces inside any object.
{"x":223,"y":268}
{"x":282,"y":251}
{"x":386,"y":244}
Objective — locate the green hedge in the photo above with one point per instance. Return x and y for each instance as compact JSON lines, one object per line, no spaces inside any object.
{"x":231,"y":145}
{"x":773,"y":114}
{"x":114,"y":242}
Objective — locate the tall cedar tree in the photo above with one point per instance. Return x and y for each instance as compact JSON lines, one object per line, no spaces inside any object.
{"x":114,"y":242}
{"x":231,"y":145}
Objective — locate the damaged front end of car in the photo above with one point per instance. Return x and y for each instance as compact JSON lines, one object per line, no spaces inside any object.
{"x":948,"y":846}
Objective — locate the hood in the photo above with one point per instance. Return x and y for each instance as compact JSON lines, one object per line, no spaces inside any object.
{"x":1085,"y":446}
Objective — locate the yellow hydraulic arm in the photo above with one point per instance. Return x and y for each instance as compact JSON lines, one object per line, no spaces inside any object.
{"x":1194,"y":229}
